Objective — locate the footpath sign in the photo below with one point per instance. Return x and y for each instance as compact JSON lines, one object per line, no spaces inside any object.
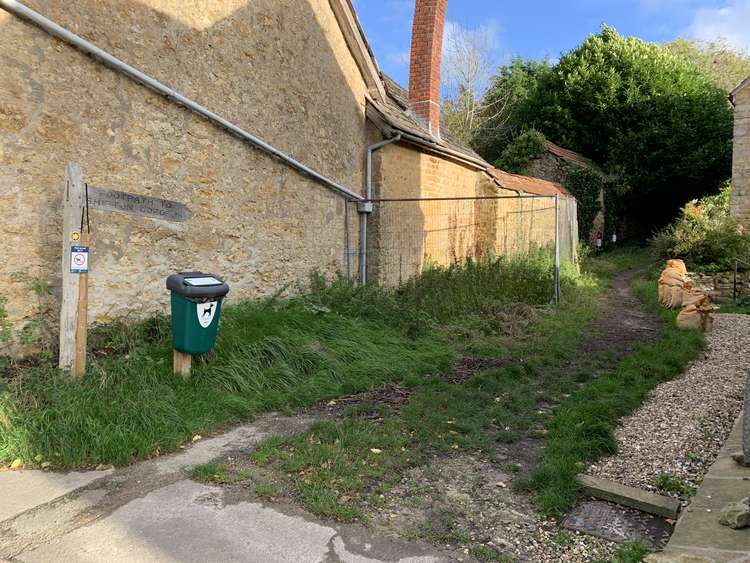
{"x":78,"y":198}
{"x":79,"y":259}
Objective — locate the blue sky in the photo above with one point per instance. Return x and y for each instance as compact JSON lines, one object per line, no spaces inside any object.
{"x":535,"y":29}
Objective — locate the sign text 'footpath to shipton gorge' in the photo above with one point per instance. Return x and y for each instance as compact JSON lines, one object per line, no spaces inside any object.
{"x":144,"y":206}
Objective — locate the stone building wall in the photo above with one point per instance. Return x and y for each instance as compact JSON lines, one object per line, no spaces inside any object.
{"x":548,"y":167}
{"x":278,"y":68}
{"x":555,"y":169}
{"x":741,"y":167}
{"x":720,"y":285}
{"x":409,"y":235}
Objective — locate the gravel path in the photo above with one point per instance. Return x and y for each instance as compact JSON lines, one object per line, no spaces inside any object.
{"x":682,"y":425}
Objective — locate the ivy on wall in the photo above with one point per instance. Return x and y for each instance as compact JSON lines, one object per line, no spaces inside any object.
{"x":586,"y":186}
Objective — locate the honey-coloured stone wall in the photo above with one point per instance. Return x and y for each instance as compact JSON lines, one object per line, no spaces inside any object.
{"x":407,"y":235}
{"x":278,"y":68}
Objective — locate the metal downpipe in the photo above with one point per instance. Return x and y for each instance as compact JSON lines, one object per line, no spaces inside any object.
{"x":365,"y":208}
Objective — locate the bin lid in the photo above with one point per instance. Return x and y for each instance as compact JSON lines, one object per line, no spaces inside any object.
{"x":197,"y":284}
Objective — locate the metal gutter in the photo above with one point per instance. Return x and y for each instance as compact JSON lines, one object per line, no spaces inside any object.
{"x":440,"y":149}
{"x":23,"y":12}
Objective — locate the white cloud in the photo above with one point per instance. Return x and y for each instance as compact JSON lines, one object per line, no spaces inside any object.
{"x":730,"y":22}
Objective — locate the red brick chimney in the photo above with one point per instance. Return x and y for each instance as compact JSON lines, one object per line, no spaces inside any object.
{"x":426,"y":52}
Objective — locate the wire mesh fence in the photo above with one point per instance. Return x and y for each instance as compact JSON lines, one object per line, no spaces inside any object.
{"x":407,"y":235}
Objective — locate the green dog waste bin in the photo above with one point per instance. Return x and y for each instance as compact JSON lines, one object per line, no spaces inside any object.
{"x":196,"y":308}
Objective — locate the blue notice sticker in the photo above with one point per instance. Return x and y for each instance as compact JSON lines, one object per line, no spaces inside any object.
{"x":79,"y":259}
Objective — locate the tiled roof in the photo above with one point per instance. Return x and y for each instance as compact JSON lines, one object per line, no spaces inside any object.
{"x":572,"y":157}
{"x":398,"y":113}
{"x":526,"y":184}
{"x":745,"y":83}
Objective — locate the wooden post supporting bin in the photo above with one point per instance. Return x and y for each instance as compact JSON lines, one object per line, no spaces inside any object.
{"x":182,"y":364}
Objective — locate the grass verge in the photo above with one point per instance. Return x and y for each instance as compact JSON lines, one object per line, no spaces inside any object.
{"x":582,"y":429}
{"x":340,"y":467}
{"x":271,"y":354}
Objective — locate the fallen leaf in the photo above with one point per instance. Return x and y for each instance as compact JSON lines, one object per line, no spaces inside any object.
{"x":46,"y":465}
{"x":197,"y":437}
{"x":500,"y":484}
{"x":376,"y":451}
{"x":17,"y":463}
{"x":104,"y":467}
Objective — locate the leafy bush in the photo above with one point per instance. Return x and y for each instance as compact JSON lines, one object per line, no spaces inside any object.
{"x":518,"y":154}
{"x":634,"y":107}
{"x":704,"y":235}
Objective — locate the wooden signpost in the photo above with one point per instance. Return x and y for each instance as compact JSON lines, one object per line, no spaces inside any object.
{"x":143,"y":206}
{"x":78,"y":198}
{"x":74,"y":308}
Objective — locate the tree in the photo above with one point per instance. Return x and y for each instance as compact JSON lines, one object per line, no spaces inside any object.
{"x":504,"y":107}
{"x":466,"y":70}
{"x":726,"y":66}
{"x":640,"y":110}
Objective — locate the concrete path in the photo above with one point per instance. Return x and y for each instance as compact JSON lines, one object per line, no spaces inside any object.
{"x":152,"y":511}
{"x":698,"y":536}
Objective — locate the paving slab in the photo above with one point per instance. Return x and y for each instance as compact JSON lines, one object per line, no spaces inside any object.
{"x":191,"y":522}
{"x":697,"y":555}
{"x":23,"y":490}
{"x":629,"y":496}
{"x":698,"y":536}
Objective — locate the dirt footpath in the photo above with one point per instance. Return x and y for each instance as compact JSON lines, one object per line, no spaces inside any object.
{"x":470,"y":500}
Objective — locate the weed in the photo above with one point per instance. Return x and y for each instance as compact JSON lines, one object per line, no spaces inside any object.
{"x":210,"y":473}
{"x":563,"y":538}
{"x":266,"y":490}
{"x":633,"y":552}
{"x":484,"y":553}
{"x":669,"y":484}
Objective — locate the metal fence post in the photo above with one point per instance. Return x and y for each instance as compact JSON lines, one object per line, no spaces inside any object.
{"x":557,"y":248}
